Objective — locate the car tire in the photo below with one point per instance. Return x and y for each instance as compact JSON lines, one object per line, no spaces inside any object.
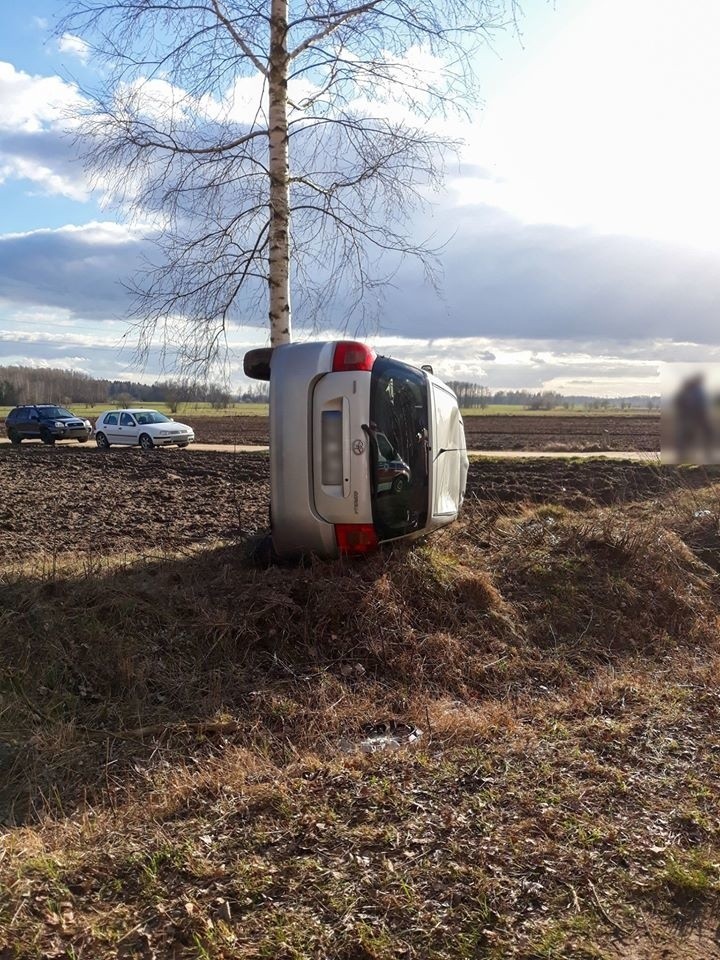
{"x":399,"y":484}
{"x":146,"y":441}
{"x":183,"y":445}
{"x":102,"y":441}
{"x":83,"y":439}
{"x":47,"y":437}
{"x":14,"y":438}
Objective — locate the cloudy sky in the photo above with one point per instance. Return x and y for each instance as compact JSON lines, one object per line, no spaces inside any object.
{"x":582,"y":225}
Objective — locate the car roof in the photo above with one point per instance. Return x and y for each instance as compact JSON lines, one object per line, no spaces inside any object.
{"x":133,"y":410}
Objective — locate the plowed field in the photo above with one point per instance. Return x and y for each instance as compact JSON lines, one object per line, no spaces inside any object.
{"x":87,"y":501}
{"x":484,"y":432}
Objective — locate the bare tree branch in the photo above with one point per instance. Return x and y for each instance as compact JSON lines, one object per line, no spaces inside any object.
{"x":249,"y":190}
{"x":330,"y":27}
{"x":239,"y":40}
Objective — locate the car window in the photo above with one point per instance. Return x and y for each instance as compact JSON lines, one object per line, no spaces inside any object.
{"x":111,"y":419}
{"x":13,"y":415}
{"x":398,"y":435}
{"x":33,"y":415}
{"x":52,"y":413}
{"x":126,"y":420}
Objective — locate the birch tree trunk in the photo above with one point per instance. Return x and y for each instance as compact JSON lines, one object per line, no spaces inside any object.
{"x":279,"y":232}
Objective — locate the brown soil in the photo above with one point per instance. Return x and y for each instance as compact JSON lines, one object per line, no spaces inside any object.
{"x":563,"y":433}
{"x":579,"y":483}
{"x":483,"y":433}
{"x":234,"y":429}
{"x":115,"y":502}
{"x":84,"y":500}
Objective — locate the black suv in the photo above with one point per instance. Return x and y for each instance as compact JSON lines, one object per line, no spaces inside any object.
{"x":45,"y":422}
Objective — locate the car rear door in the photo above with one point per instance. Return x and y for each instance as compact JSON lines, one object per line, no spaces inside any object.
{"x":109,"y":426}
{"x":31,"y":423}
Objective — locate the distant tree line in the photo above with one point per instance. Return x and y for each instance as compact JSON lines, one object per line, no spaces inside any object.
{"x":48,"y":385}
{"x":478,"y":395}
{"x":475,"y":395}
{"x":45,"y":385}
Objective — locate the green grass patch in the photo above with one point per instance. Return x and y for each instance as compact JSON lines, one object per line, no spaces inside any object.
{"x":184,"y":409}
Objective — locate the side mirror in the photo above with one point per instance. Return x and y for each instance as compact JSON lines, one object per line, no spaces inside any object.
{"x":427,"y":367}
{"x":256,"y":363}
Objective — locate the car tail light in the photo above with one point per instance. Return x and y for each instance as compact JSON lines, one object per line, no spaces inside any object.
{"x":351,"y":355}
{"x":356,"y":537}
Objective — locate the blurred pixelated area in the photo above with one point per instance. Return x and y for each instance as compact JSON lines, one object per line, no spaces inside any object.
{"x":690,"y":429}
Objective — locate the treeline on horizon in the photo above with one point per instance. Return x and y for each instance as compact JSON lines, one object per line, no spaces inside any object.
{"x":50,"y":385}
{"x":476,"y":395}
{"x":20,"y":384}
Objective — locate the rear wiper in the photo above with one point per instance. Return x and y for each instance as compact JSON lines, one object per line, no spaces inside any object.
{"x":447,"y":450}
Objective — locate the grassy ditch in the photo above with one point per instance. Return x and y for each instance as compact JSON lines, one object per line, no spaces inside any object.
{"x":178,"y":771}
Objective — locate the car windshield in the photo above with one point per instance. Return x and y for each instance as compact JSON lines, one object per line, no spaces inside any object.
{"x":52,"y":413}
{"x":150,"y":416}
{"x":398,"y":435}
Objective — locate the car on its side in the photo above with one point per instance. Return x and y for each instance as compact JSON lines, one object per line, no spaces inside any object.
{"x":140,"y":426}
{"x":363,"y":449}
{"x":47,"y":422}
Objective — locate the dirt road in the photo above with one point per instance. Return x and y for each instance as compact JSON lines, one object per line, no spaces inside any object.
{"x":592,"y":433}
{"x":634,"y":455}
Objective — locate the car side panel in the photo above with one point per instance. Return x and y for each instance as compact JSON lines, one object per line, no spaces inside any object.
{"x":297,"y":528}
{"x":12,"y":423}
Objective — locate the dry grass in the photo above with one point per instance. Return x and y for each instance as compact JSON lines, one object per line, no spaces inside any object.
{"x":563,"y":665}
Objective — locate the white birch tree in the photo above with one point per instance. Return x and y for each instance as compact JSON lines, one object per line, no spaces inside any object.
{"x":270,"y":140}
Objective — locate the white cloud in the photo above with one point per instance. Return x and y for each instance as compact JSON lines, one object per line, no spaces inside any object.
{"x":31,"y":103}
{"x":34,"y":142}
{"x":74,"y":47}
{"x":46,"y":159}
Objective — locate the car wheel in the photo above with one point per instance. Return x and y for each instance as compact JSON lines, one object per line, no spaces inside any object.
{"x":399,"y":484}
{"x":47,"y":437}
{"x":183,"y":444}
{"x":14,"y":438}
{"x":83,"y":439}
{"x":146,"y":441}
{"x":102,"y":441}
